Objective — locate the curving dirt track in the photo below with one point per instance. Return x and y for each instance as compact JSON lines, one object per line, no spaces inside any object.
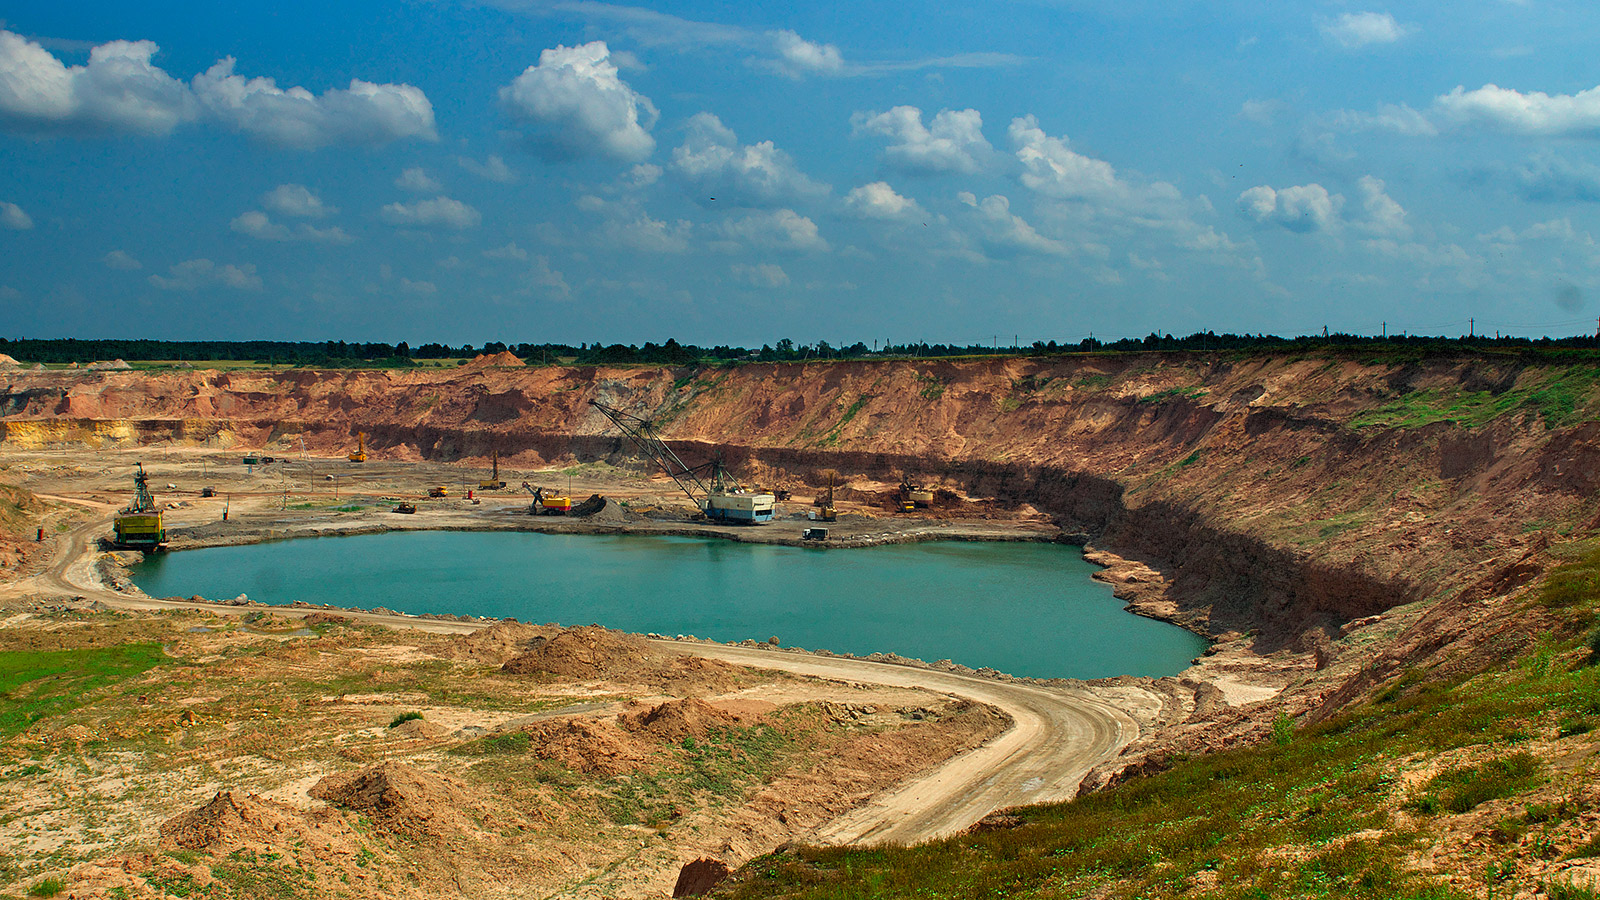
{"x":1058,"y":733}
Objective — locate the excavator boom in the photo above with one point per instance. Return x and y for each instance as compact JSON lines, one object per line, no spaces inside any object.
{"x":647,"y":439}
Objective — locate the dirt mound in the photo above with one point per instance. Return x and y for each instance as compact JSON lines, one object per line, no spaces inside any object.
{"x":588,"y":746}
{"x":675,"y":720}
{"x":587,"y":652}
{"x":7,"y":362}
{"x":401,"y":799}
{"x":495,"y":644}
{"x":495,"y":361}
{"x":420,"y":730}
{"x":693,"y":675}
{"x":231,"y":821}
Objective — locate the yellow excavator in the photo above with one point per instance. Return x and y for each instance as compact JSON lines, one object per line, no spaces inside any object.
{"x":359,"y":454}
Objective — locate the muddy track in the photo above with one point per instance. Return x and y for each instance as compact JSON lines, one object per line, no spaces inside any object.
{"x":1057,"y":733}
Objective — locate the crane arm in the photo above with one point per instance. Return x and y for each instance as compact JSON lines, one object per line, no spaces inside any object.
{"x":648,"y":440}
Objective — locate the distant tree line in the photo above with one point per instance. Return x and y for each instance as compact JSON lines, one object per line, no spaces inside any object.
{"x":342,"y":354}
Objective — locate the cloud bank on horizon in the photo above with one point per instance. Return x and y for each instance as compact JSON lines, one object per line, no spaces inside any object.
{"x":577,"y":170}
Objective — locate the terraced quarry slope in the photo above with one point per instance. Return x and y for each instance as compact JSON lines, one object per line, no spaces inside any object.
{"x":1281,"y":493}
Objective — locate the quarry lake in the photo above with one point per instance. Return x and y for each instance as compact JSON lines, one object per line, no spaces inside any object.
{"x":1023,"y":608}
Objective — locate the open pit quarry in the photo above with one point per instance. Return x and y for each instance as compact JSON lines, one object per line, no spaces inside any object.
{"x":1341,"y":526}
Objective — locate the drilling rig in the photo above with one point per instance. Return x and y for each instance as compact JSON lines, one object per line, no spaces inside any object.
{"x":722,"y":500}
{"x":493,"y":482}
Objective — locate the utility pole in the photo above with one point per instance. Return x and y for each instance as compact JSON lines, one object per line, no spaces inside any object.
{"x":1386,"y":329}
{"x":1472,"y":327}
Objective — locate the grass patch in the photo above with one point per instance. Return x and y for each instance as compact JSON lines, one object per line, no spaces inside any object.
{"x":1466,"y":787}
{"x":36,"y":684}
{"x":1173,"y":394}
{"x":47,"y":887}
{"x":1559,"y":395}
{"x":404,"y":718}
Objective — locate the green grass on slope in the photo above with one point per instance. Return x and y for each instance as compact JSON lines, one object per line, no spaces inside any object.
{"x":1318,"y":812}
{"x":35,"y":684}
{"x":1560,"y":395}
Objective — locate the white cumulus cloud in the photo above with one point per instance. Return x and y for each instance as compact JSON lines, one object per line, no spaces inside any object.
{"x":1353,"y":31}
{"x":552,"y":281}
{"x":418,"y":287}
{"x":492,"y":169}
{"x":121,"y":260}
{"x":1052,"y":168}
{"x":1004,"y":229}
{"x":577,"y":106}
{"x":118,"y":90}
{"x":712,"y":159}
{"x":649,"y":235}
{"x":1303,"y":208}
{"x":442,"y":211}
{"x":879,"y":201}
{"x":1533,"y":113}
{"x":296,"y":200}
{"x":765,"y":275}
{"x":364,"y":113}
{"x":196,"y":274}
{"x":12,"y":217}
{"x":417,"y":180}
{"x":1384,"y":214}
{"x":782,"y":229}
{"x":952,"y":142}
{"x":258,"y":225}
{"x":509,"y":251}
{"x":798,"y":57}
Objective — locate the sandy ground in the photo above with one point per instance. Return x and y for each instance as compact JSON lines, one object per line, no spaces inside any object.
{"x":1059,"y":730}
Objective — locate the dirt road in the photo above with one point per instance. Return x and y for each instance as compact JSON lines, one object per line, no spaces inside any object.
{"x":1058,"y":733}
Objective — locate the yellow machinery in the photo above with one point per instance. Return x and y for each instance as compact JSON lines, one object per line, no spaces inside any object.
{"x":825,"y":508}
{"x":912,"y":496}
{"x":359,"y":454}
{"x":437,"y":492}
{"x":493,"y":483}
{"x":139,"y":527}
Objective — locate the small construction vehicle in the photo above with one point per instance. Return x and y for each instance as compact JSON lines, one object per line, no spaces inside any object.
{"x":359,"y":454}
{"x":438,"y":492}
{"x":404,"y":507}
{"x":912,"y":496}
{"x":208,"y":491}
{"x":814,"y":534}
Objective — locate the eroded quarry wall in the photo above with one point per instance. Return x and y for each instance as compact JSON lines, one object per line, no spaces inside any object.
{"x":1278,"y":493}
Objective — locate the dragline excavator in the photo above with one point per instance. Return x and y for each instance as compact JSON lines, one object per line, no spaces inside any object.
{"x":139,"y":526}
{"x":722,"y":500}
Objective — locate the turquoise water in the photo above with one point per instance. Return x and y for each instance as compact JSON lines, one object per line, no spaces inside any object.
{"x":1026,"y":609}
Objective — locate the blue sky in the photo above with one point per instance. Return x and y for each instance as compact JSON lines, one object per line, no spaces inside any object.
{"x":520,"y":170}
